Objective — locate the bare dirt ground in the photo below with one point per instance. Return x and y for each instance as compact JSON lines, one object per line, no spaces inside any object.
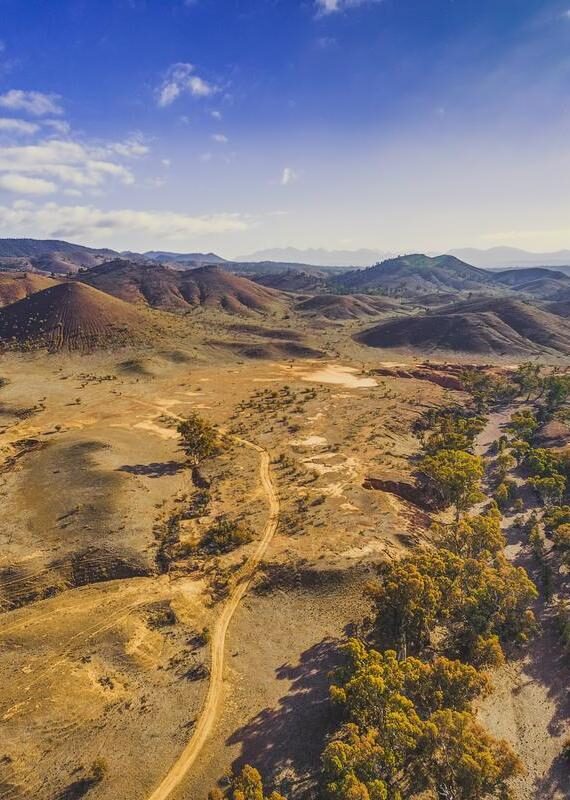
{"x":104,"y":597}
{"x":101,"y":652}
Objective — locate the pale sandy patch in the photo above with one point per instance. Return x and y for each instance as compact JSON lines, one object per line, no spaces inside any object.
{"x":341,"y":376}
{"x":152,"y":427}
{"x":310,"y":441}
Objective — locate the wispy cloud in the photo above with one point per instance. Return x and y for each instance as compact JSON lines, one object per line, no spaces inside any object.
{"x":22,"y":184}
{"x":17,"y":126}
{"x":91,"y":223}
{"x":332,"y":6}
{"x":288,"y":176}
{"x":56,"y":163}
{"x":182,"y":79}
{"x":220,"y":138}
{"x":36,"y":103}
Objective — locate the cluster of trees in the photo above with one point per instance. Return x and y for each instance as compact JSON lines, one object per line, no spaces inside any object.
{"x":246,"y":785}
{"x":556,"y":522}
{"x":408,"y":722}
{"x":410,"y":728}
{"x":449,"y":470}
{"x":547,"y":471}
{"x":464,"y":592}
{"x":225,"y":535}
{"x":451,"y":430}
{"x":552,"y":389}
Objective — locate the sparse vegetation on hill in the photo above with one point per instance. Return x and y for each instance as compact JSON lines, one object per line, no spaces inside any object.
{"x":169,"y":289}
{"x":71,"y":316}
{"x":501,"y":327}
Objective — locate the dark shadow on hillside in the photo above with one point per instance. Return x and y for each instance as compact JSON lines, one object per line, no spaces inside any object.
{"x":291,"y":736}
{"x":154,"y":470}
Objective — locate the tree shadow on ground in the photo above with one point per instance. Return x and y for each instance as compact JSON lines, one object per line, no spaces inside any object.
{"x":289,"y":738}
{"x":154,"y":470}
{"x":77,"y":789}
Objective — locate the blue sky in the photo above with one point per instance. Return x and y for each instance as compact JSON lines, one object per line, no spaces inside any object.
{"x":235,"y":125}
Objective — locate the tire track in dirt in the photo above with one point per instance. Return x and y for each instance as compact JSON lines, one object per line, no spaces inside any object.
{"x":210,"y":708}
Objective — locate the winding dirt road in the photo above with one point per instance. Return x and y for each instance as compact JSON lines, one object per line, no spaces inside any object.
{"x":218,"y":642}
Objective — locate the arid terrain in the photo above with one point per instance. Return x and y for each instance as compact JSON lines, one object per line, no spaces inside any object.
{"x":124,"y":640}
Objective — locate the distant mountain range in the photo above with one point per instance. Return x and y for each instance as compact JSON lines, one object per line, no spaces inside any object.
{"x":192,"y":258}
{"x":506,"y":257}
{"x":319,"y":257}
{"x":52,"y":255}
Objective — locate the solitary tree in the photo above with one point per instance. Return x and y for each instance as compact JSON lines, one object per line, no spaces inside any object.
{"x":198,"y":439}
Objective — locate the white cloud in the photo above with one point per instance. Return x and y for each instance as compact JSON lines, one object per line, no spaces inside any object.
{"x":72,"y":163}
{"x":166,"y":163}
{"x":220,"y":138}
{"x":288,"y":176}
{"x":91,"y":223}
{"x":36,"y":103}
{"x":216,"y":114}
{"x":133,"y":147}
{"x":205,"y":157}
{"x":60,"y":126}
{"x":181,"y":79}
{"x":21,"y":184}
{"x":332,"y":6}
{"x":17,"y":126}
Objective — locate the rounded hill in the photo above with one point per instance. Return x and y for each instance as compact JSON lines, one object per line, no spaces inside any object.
{"x":489,"y":326}
{"x":162,"y":287}
{"x":72,"y":316}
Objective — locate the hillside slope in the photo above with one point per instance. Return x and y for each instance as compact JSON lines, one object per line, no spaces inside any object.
{"x":415,"y":275}
{"x":501,"y":327}
{"x":161,"y":287}
{"x":71,"y":316}
{"x":346,"y":306}
{"x":49,"y":255}
{"x":15,"y":286}
{"x":547,"y":284}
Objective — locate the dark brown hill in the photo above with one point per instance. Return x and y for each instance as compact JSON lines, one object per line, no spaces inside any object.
{"x":49,"y":255}
{"x":500,"y":327}
{"x":72,"y":316}
{"x":539,"y":282}
{"x":346,"y":306}
{"x":180,"y":290}
{"x":293,"y":280}
{"x":560,"y":308}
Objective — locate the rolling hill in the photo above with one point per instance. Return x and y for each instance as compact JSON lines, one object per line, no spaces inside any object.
{"x":499,"y":326}
{"x":169,"y":289}
{"x":197,"y":259}
{"x":542,"y":283}
{"x":49,"y":255}
{"x":293,"y":280}
{"x":346,"y":306}
{"x":414,"y":275}
{"x":72,"y":316}
{"x":16,"y":286}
